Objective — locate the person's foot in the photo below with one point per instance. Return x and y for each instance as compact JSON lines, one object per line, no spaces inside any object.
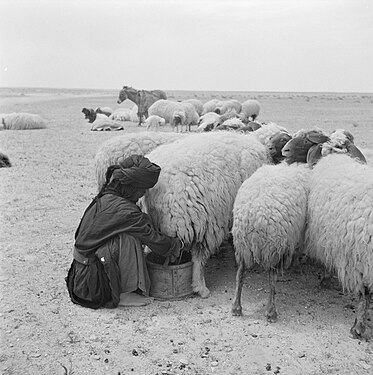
{"x":134,"y":299}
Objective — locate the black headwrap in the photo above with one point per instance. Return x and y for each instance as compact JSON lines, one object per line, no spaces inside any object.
{"x":137,"y":171}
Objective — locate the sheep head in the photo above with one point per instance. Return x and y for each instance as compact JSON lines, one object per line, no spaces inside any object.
{"x":304,"y":147}
{"x":89,"y":114}
{"x":342,"y":141}
{"x":275,"y":144}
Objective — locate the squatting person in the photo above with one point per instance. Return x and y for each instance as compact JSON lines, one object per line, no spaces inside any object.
{"x":109,"y":267}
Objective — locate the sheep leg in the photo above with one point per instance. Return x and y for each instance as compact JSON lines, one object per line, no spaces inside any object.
{"x":198,"y":277}
{"x":326,"y":280}
{"x":240,"y":276}
{"x":358,"y":328}
{"x":271,"y":312}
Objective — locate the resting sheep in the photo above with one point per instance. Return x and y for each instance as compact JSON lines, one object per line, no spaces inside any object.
{"x":178,"y":115}
{"x":116,"y":149}
{"x":340,"y":226}
{"x":154,"y":122}
{"x":22,"y":121}
{"x":91,"y":115}
{"x":106,"y":124}
{"x":269,"y":217}
{"x":107,"y":111}
{"x":193,"y":198}
{"x":125,"y":114}
{"x":208,"y":122}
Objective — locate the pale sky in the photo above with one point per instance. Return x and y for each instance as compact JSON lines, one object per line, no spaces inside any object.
{"x":227,"y":45}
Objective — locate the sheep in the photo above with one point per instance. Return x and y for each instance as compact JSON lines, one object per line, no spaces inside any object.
{"x":303,"y":144}
{"x":224,"y":106}
{"x":154,"y":122}
{"x":91,"y":115}
{"x":342,"y":141}
{"x":269,"y":217}
{"x":106,"y":124}
{"x":104,"y":110}
{"x":192,"y":116}
{"x":198,"y":106}
{"x":208,"y":121}
{"x":193,"y":198}
{"x":211,"y":120}
{"x":210,"y":106}
{"x":22,"y":121}
{"x":116,"y":149}
{"x":4,"y":161}
{"x":340,"y":226}
{"x":308,"y":146}
{"x":249,"y":110}
{"x":125,"y":114}
{"x":233,"y":123}
{"x":176,"y":114}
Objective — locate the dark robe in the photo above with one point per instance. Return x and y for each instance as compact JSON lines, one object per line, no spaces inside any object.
{"x":108,"y":253}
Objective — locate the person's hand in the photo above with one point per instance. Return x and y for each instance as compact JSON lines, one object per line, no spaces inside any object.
{"x":176,"y":250}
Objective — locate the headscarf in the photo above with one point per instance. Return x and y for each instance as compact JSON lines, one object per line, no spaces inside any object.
{"x":137,"y":171}
{"x":133,"y":174}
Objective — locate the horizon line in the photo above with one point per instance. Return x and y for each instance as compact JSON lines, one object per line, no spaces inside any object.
{"x":191,"y":90}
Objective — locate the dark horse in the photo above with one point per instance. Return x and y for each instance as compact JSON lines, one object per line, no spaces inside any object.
{"x":132,"y":94}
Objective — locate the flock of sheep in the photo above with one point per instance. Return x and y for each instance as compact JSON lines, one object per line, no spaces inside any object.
{"x":156,"y":111}
{"x":277,"y":195}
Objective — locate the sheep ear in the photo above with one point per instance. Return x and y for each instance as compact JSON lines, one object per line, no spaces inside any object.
{"x":314,"y":155}
{"x":356,"y":153}
{"x":316,"y":137}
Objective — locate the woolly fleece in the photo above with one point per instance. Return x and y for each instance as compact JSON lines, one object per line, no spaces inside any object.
{"x":201,"y":174}
{"x":340,"y":220}
{"x":269,"y":215}
{"x":116,"y":149}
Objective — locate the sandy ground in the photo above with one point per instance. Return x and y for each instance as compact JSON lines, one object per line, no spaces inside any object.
{"x":42,"y":199}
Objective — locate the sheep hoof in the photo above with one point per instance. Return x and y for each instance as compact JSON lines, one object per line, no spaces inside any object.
{"x":237,"y":311}
{"x":357,"y":330}
{"x":271,"y":316}
{"x":203,"y":292}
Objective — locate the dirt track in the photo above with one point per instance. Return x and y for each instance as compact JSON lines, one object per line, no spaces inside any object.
{"x":42,"y":199}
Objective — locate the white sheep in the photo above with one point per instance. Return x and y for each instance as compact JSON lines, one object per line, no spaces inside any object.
{"x":208,"y":122}
{"x":342,"y":141}
{"x":22,"y":121}
{"x":125,"y":114}
{"x":105,"y":123}
{"x":249,"y":110}
{"x":153,"y":122}
{"x":177,"y":114}
{"x":233,"y":123}
{"x":193,"y":198}
{"x":210,"y":106}
{"x":224,"y":106}
{"x":340,"y":226}
{"x":115,"y":150}
{"x":198,"y":106}
{"x":269,"y":217}
{"x":104,"y":110}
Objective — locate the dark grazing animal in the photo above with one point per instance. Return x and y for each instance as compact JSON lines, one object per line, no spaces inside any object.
{"x":132,"y":94}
